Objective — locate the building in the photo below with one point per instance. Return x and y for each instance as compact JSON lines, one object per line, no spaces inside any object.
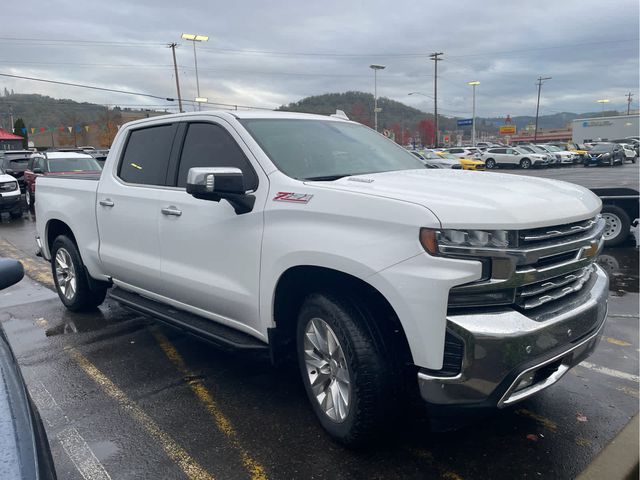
{"x":546,"y":135}
{"x":605,"y":128}
{"x":9,"y":141}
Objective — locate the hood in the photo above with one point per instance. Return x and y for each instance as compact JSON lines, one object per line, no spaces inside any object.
{"x":6,"y":178}
{"x":467,"y":199}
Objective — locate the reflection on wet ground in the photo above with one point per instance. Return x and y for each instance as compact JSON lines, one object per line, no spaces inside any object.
{"x":621,"y":264}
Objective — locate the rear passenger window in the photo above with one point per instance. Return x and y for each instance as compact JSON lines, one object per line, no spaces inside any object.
{"x":146,"y":156}
{"x":210,"y":145}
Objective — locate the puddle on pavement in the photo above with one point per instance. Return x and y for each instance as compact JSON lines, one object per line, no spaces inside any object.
{"x":72,"y":323}
{"x":621,"y":264}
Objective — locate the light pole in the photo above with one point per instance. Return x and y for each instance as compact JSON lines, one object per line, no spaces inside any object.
{"x":192,"y":37}
{"x":603,"y":102}
{"x":539,"y":83}
{"x":473,"y":116}
{"x":375,"y":69}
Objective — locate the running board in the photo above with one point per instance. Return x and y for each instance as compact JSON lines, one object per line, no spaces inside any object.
{"x":195,"y":324}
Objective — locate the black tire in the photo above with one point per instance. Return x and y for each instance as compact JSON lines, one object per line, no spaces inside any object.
{"x":371,"y":370}
{"x":30,"y":199}
{"x":84,"y":297}
{"x":617,"y":219}
{"x":525,"y":163}
{"x":490,"y":163}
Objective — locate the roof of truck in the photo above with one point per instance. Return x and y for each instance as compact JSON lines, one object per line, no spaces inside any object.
{"x":240,"y":114}
{"x":53,"y":155}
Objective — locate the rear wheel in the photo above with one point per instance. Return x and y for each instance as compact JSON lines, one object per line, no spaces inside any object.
{"x":348,"y":379}
{"x":70,"y":277}
{"x":617,"y":227}
{"x":525,"y":163}
{"x":490,"y":163}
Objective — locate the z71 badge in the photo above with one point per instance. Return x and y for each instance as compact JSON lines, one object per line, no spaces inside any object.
{"x":292,"y":197}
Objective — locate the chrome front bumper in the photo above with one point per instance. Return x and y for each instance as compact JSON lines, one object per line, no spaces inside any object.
{"x":510,"y":355}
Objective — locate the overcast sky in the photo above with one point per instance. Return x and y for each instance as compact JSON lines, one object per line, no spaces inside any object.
{"x":272,"y":53}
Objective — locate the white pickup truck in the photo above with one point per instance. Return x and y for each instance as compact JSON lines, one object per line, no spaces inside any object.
{"x":316,"y":238}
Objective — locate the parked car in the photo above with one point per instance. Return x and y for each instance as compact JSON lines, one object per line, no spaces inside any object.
{"x":56,"y":163}
{"x":433,"y":160}
{"x":462,"y":152}
{"x":14,"y":163}
{"x":629,"y":152}
{"x":605,"y":154}
{"x":25,"y":448}
{"x":513,"y":157}
{"x":10,"y":197}
{"x":316,"y":238}
{"x":563,"y":157}
{"x":466,"y":163}
{"x":536,"y":149}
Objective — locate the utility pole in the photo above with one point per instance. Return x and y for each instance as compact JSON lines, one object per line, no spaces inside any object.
{"x":434,"y":57}
{"x":173,"y":46}
{"x":540,"y":82}
{"x":629,"y":95}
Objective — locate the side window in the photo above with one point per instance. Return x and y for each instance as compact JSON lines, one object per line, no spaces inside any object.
{"x":500,"y":150}
{"x":146,"y":156}
{"x":210,"y":145}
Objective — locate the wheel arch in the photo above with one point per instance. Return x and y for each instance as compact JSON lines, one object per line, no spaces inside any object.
{"x":298,"y":281}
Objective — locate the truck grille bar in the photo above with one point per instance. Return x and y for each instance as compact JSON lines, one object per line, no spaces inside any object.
{"x":547,"y":264}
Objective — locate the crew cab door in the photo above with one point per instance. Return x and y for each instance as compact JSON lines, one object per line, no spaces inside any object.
{"x":210,"y":254}
{"x":129,"y":200}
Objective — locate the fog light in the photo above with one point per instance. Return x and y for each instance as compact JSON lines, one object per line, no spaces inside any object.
{"x":526,"y":381}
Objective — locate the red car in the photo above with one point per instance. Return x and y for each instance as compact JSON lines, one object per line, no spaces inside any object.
{"x":56,"y":163}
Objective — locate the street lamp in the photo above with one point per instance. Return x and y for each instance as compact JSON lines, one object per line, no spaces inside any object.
{"x":602,"y":102}
{"x":375,"y":69}
{"x":192,"y":37}
{"x":473,"y":116}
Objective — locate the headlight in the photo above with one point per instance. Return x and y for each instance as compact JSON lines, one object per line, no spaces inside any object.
{"x":8,"y":186}
{"x":436,"y":241}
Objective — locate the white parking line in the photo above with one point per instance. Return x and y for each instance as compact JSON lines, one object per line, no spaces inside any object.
{"x":81,"y":455}
{"x":611,"y":372}
{"x":72,"y":442}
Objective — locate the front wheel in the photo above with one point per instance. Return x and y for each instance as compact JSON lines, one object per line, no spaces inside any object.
{"x":617,"y":225}
{"x":31,"y":201}
{"x":347,"y":378}
{"x":70,"y":277}
{"x":525,"y":163}
{"x":490,"y":163}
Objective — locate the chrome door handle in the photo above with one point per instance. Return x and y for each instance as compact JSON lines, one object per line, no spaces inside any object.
{"x":171,"y":211}
{"x":107,"y":202}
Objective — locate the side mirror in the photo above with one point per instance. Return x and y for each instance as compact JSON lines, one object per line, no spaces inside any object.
{"x":38,"y":171}
{"x":11,"y":272}
{"x":220,"y":183}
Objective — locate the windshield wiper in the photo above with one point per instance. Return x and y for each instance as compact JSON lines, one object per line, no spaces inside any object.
{"x":328,"y":178}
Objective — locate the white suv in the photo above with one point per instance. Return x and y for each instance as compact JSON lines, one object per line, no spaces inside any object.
{"x":10,"y":198}
{"x":506,"y":156}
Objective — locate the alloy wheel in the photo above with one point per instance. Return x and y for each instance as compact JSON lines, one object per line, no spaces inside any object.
{"x":65,"y":274}
{"x":327,"y":370}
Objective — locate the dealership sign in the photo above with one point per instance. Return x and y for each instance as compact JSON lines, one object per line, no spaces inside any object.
{"x":597,"y":123}
{"x":508,"y":130}
{"x":465,"y":122}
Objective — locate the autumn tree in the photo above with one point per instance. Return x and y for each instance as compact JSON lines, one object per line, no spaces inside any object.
{"x":427,"y":130}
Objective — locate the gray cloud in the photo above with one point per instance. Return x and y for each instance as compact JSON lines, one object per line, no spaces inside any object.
{"x":589,"y":48}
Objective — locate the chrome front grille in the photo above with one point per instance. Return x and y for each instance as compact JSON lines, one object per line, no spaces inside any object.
{"x":536,"y":294}
{"x":546,"y":265}
{"x":528,"y":237}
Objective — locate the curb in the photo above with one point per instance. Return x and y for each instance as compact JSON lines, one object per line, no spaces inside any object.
{"x":619,"y":459}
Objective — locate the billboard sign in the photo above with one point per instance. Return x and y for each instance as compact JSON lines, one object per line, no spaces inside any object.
{"x":465,"y":122}
{"x":507,"y":130}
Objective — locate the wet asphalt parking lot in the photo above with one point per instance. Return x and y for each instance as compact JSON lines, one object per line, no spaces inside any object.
{"x":124,"y":397}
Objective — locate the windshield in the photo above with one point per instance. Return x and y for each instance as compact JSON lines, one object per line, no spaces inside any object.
{"x":552,"y":148}
{"x":538,"y":149}
{"x":19,"y":165}
{"x":450,"y":156}
{"x":73,"y":165}
{"x":602,"y":147}
{"x":327,"y":150}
